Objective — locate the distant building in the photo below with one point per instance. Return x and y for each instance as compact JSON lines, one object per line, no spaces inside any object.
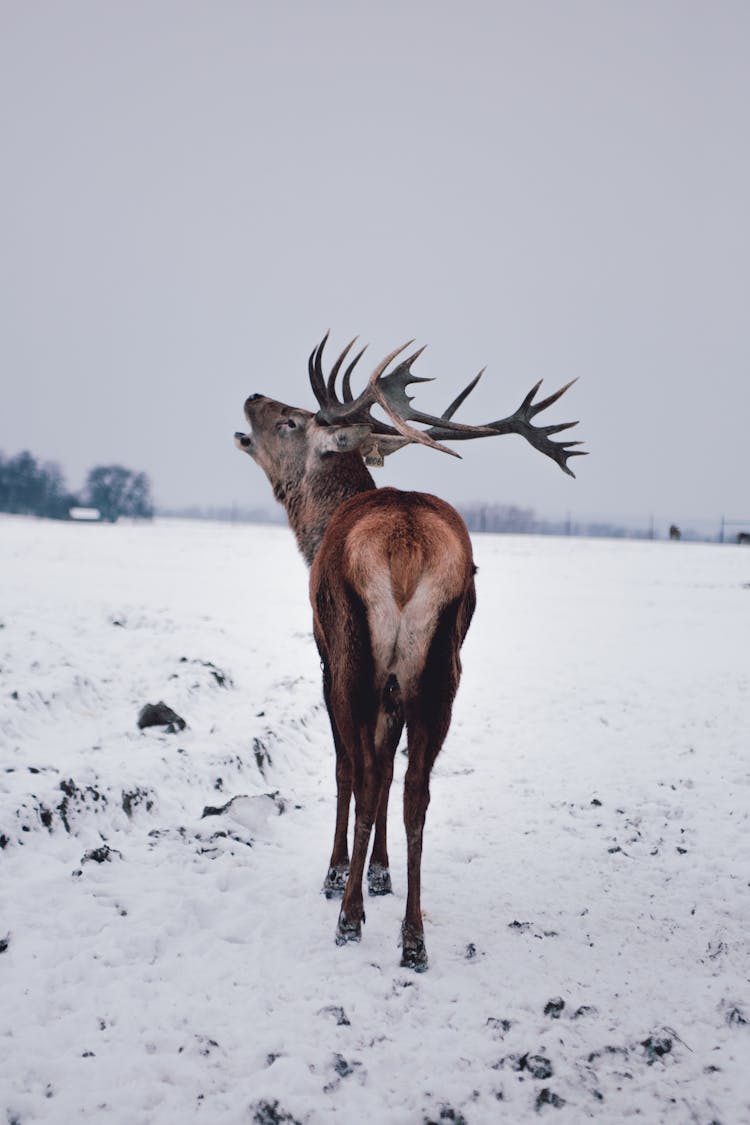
{"x":85,"y":515}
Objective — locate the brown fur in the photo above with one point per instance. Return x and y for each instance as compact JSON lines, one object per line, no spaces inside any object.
{"x":406,"y":534}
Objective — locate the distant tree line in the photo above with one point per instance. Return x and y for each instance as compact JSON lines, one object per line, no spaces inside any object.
{"x":33,"y":488}
{"x":499,"y":517}
{"x":510,"y":519}
{"x":479,"y":517}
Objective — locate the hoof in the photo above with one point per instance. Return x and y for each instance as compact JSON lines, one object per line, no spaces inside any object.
{"x":348,"y":931}
{"x":334,"y":883}
{"x":379,"y":880}
{"x":413,"y":951}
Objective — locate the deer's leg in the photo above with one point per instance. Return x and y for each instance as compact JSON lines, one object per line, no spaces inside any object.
{"x":428,"y":718}
{"x":387,"y":734}
{"x":378,"y":871}
{"x":416,"y":800}
{"x":338,"y":867}
{"x":353,"y":707}
{"x":367,"y":785}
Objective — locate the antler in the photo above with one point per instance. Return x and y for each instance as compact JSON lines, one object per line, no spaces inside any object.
{"x":389,"y":392}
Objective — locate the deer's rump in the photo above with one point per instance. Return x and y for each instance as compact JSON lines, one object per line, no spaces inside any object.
{"x":394,"y":562}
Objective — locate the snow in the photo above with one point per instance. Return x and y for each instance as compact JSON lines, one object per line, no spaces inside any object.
{"x":587,"y":853}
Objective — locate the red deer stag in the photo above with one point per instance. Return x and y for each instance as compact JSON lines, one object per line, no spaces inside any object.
{"x":392,"y":592}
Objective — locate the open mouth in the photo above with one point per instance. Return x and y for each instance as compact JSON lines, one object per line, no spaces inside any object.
{"x":243,"y":442}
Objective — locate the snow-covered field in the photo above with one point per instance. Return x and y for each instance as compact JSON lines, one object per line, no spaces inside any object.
{"x":587,"y":856}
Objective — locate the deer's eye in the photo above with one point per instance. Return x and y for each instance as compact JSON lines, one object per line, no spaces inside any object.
{"x":287,"y":424}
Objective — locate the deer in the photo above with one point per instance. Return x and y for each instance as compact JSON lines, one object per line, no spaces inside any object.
{"x":392,"y":594}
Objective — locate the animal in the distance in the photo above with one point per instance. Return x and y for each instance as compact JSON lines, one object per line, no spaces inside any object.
{"x":392,"y":592}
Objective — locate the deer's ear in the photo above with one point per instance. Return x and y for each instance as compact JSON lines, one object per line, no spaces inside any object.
{"x":341,"y":439}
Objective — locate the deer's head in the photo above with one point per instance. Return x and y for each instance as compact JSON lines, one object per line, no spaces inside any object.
{"x":289,"y":443}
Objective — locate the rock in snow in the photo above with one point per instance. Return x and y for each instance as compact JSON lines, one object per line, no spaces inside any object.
{"x":160,"y":715}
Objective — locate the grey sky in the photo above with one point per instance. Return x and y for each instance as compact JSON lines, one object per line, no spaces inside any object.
{"x":192,"y":193}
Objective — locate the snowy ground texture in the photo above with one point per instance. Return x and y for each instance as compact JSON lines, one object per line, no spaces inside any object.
{"x":587,"y":858}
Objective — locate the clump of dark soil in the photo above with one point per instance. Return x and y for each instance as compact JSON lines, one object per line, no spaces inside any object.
{"x":270,"y":1113}
{"x":342,"y":1020}
{"x":74,"y":800}
{"x":132,"y":798}
{"x":608,"y":1050}
{"x":342,"y":1067}
{"x":529,"y":928}
{"x":223,"y":679}
{"x":217,"y":810}
{"x":547,"y":1097}
{"x":262,"y":755}
{"x":537,"y":1066}
{"x":554,"y":1008}
{"x":160,"y":715}
{"x":446,"y":1114}
{"x":103,"y":854}
{"x":656,"y":1047}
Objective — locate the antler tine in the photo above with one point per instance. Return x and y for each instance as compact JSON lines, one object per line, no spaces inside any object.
{"x":556,"y":429}
{"x":563,"y":451}
{"x":535,"y":407}
{"x":315,"y":371}
{"x":331,"y":385}
{"x":449,"y":410}
{"x":346,"y":388}
{"x":359,"y":408}
{"x":390,"y":393}
{"x":384,"y":362}
{"x":459,"y":399}
{"x":405,"y":364}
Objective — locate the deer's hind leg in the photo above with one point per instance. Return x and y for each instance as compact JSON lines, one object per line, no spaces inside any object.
{"x":390,"y":723}
{"x":336,"y":878}
{"x":338,"y":866}
{"x":428,"y":716}
{"x":378,"y":871}
{"x":352,"y":705}
{"x":367,"y":784}
{"x":428,"y":719}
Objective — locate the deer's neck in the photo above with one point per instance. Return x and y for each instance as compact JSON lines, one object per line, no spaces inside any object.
{"x":311,"y":501}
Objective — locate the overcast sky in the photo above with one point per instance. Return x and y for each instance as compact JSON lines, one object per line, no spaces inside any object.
{"x":192,"y":193}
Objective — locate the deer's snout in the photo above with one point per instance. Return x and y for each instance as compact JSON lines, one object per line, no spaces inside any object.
{"x":252,"y":404}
